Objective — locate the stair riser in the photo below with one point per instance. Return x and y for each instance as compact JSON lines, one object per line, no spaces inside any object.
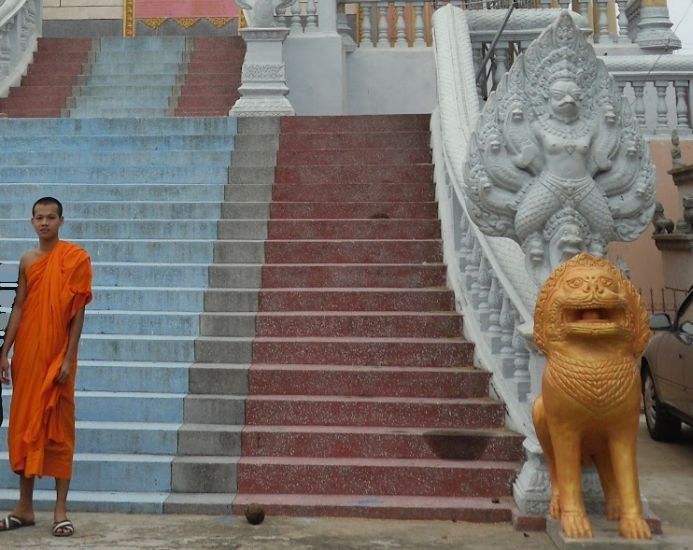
{"x":227,"y":325}
{"x":235,"y":277}
{"x":134,"y":323}
{"x":239,"y":252}
{"x":432,"y":445}
{"x":118,"y":144}
{"x":289,"y":300}
{"x":335,"y":352}
{"x":365,"y":480}
{"x":117,"y":127}
{"x":207,"y":174}
{"x":162,"y":348}
{"x":292,"y":412}
{"x":372,"y":140}
{"x":224,"y":379}
{"x":318,"y":210}
{"x":45,"y":91}
{"x":353,"y":252}
{"x":420,"y":173}
{"x":357,"y":124}
{"x":126,"y":229}
{"x":248,"y":211}
{"x":242,"y":229}
{"x":209,"y":443}
{"x":401,"y":157}
{"x":203,"y":478}
{"x":148,"y":378}
{"x":360,"y":326}
{"x":345,"y":192}
{"x":101,"y":475}
{"x":95,"y":407}
{"x":353,"y":229}
{"x":105,"y":192}
{"x":238,"y":300}
{"x":295,"y":380}
{"x":360,"y":276}
{"x":222,"y":351}
{"x":130,"y":440}
{"x":129,"y":210}
{"x":53,"y":101}
{"x":139,"y":69}
{"x":211,"y":410}
{"x":93,"y":103}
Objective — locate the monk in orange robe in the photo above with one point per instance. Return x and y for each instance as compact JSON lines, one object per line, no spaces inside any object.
{"x":53,"y":288}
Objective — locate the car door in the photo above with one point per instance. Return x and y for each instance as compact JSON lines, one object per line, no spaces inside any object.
{"x":684,"y":352}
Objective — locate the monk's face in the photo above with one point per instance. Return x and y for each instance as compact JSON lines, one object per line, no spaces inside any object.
{"x":46,"y":221}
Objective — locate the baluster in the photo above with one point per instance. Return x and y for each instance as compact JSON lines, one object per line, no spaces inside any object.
{"x":495,"y":299}
{"x":311,"y":19}
{"x":472,"y":272}
{"x":521,"y":376}
{"x":401,"y":40}
{"x":602,"y":30}
{"x":477,"y":55}
{"x":622,"y":21}
{"x":662,"y":119}
{"x":484,"y":280}
{"x":501,"y":64}
{"x":383,"y":40}
{"x":584,"y":8}
{"x":507,"y":324}
{"x":639,"y":91}
{"x":682,"y":113}
{"x":287,"y":18}
{"x":366,"y":14}
{"x":419,"y":36}
{"x":296,"y":26}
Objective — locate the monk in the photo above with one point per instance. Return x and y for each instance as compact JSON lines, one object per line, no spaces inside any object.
{"x":45,"y":325}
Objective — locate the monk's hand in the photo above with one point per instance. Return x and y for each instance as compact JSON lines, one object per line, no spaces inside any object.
{"x":64,"y":372}
{"x":4,"y":370}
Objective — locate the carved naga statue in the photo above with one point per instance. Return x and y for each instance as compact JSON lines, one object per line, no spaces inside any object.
{"x":261,"y":14}
{"x":557,"y":162}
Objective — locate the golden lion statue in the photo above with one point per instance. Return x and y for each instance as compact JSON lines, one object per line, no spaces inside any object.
{"x":591,"y":325}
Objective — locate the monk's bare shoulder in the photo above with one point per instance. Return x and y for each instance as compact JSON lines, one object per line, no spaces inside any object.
{"x":28,"y":258}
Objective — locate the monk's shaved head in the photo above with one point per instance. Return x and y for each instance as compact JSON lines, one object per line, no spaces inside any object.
{"x":46,"y":201}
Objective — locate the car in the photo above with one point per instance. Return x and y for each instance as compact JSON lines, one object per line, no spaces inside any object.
{"x":667,"y":373}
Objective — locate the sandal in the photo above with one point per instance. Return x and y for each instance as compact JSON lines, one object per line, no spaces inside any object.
{"x":63,"y":528}
{"x":11,"y":522}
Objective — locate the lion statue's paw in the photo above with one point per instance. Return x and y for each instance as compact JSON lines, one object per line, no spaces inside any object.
{"x":634,"y":528}
{"x":576,"y":525}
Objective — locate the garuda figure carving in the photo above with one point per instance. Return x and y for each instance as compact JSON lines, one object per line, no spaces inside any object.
{"x":591,"y":325}
{"x":557,"y":162}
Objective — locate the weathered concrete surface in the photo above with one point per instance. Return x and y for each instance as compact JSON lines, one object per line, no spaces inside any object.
{"x":666,"y":476}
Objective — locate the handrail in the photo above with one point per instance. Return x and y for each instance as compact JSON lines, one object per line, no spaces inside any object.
{"x":20,"y":27}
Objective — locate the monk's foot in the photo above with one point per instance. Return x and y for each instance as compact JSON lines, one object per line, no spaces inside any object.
{"x":24,"y":514}
{"x":575,"y":525}
{"x":634,"y":528}
{"x":613,"y":509}
{"x":555,"y":506}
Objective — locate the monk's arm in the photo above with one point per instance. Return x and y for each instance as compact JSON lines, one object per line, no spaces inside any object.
{"x":72,"y":344}
{"x":13,"y":323}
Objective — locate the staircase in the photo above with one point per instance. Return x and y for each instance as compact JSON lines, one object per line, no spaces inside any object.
{"x":362,"y":398}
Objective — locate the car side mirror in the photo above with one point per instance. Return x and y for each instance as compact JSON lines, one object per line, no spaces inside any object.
{"x":660,"y":321}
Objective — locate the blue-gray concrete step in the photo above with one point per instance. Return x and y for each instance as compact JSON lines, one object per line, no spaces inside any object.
{"x":86,"y":102}
{"x":94,"y":501}
{"x":147,"y":89}
{"x":174,"y":55}
{"x":136,"y":347}
{"x":136,"y":68}
{"x":116,"y":210}
{"x":130,"y":112}
{"x":18,"y":192}
{"x":141,"y":43}
{"x":155,"y":79}
{"x":38,"y":157}
{"x":151,"y":298}
{"x":110,"y":406}
{"x":120,"y":437}
{"x":133,"y":376}
{"x":105,"y":174}
{"x":109,"y":472}
{"x":24,"y":127}
{"x":170,"y":323}
{"x":117,"y":143}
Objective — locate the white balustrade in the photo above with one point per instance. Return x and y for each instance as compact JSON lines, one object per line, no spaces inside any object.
{"x":20,"y":27}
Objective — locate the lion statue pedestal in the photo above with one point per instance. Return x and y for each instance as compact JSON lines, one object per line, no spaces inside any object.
{"x":592,"y":327}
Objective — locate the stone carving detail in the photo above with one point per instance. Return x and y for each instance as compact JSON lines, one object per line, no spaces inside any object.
{"x":662,"y":224}
{"x":261,"y":72}
{"x":686,"y":225}
{"x":260,"y":14}
{"x":557,"y":162}
{"x":676,"y":160}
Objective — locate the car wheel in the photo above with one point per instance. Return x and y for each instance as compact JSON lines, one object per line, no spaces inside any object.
{"x":662,"y":425}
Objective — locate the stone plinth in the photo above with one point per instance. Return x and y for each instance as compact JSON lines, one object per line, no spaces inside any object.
{"x":263,"y":89}
{"x":683,"y":177}
{"x":606,"y":537}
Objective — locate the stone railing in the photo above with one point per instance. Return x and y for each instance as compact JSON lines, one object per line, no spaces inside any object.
{"x":20,"y":27}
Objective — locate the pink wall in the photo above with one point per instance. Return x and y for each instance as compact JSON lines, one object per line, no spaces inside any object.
{"x":151,"y":9}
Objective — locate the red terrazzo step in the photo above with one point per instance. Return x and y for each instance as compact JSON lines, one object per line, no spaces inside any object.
{"x":227,"y":89}
{"x":353,"y":275}
{"x":353,"y":229}
{"x":369,"y":140}
{"x":205,"y":101}
{"x":306,"y":410}
{"x":339,"y":476}
{"x":349,"y":251}
{"x":31,"y":113}
{"x":379,"y":157}
{"x":353,"y":210}
{"x":478,"y":510}
{"x":347,"y":299}
{"x":359,"y":324}
{"x":371,"y":192}
{"x":58,"y":67}
{"x":64,"y":44}
{"x":382,"y":442}
{"x":421,"y":173}
{"x":363,"y":381}
{"x":351,"y":123}
{"x":49,"y":80}
{"x":31,"y":102}
{"x":408,"y":352}
{"x":42,"y":90}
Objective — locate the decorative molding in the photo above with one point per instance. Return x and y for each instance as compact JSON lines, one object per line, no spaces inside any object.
{"x":263,"y":72}
{"x":129,"y":18}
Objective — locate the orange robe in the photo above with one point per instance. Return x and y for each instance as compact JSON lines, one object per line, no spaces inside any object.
{"x":41,"y":434}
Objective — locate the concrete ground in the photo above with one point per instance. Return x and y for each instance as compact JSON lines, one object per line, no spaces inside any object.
{"x":666,"y":477}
